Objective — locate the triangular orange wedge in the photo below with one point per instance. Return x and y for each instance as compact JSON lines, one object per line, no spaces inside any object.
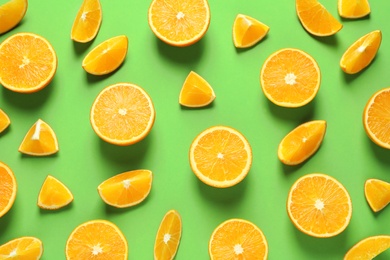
{"x":377,"y":193}
{"x":11,"y":13}
{"x":4,"y":121}
{"x":22,"y":248}
{"x":353,"y":8}
{"x":368,"y":248}
{"x":8,"y":189}
{"x":40,"y":140}
{"x":168,"y":236}
{"x":87,"y":22}
{"x":196,"y":91}
{"x":247,"y":31}
{"x":54,"y":194}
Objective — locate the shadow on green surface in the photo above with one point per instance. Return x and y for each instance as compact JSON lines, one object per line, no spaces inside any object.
{"x":81,"y":48}
{"x":5,"y":131}
{"x":27,"y":156}
{"x":184,"y":55}
{"x":291,"y":169}
{"x":97,"y":78}
{"x":301,"y":114}
{"x":111,"y":210}
{"x":382,"y":154}
{"x":241,"y":50}
{"x":56,"y":211}
{"x":6,"y":219}
{"x":211,"y":105}
{"x":346,"y":20}
{"x":328,"y":40}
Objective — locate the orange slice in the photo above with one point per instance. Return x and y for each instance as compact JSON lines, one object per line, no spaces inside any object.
{"x":168,"y":236}
{"x":8,"y":188}
{"x":361,"y":53}
{"x":11,"y":13}
{"x":220,"y":156}
{"x":302,"y":142}
{"x":196,"y":92}
{"x":316,"y":19}
{"x":40,"y":140}
{"x":87,"y":22}
{"x":368,"y":248}
{"x":376,"y":118}
{"x":122,"y":114}
{"x":4,"y":121}
{"x":377,"y":193}
{"x":22,"y":248}
{"x":237,"y":239}
{"x":29,"y":62}
{"x":290,"y":78}
{"x":179,"y":23}
{"x":319,"y":205}
{"x":96,"y":239}
{"x":126,"y":189}
{"x":107,"y":56}
{"x":353,"y":8}
{"x":54,"y":194}
{"x":247,"y":31}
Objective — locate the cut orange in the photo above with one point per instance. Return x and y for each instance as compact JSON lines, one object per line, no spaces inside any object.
{"x":126,"y":189}
{"x":96,"y":239}
{"x":8,"y":188}
{"x":54,"y":194}
{"x":377,"y":193}
{"x":122,"y":114}
{"x":316,"y":19}
{"x":220,"y":156}
{"x":319,"y":205}
{"x":40,"y":140}
{"x":22,"y":248}
{"x":302,"y":142}
{"x":28,"y":62}
{"x":290,"y":78}
{"x":11,"y":13}
{"x":247,"y":31}
{"x":353,"y":8}
{"x":107,"y":56}
{"x":361,"y":53}
{"x":196,"y":91}
{"x":237,"y":239}
{"x":368,"y":248}
{"x":168,"y":236}
{"x":376,"y":118}
{"x":179,"y":23}
{"x":87,"y":22}
{"x":4,"y":121}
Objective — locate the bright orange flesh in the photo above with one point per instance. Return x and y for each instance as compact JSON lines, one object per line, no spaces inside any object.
{"x":11,"y":13}
{"x":4,"y":121}
{"x":22,"y":248}
{"x":122,"y":114}
{"x":290,"y":78}
{"x":8,"y":189}
{"x":237,"y":239}
{"x":247,"y":31}
{"x":87,"y":22}
{"x":54,"y":194}
{"x":196,"y":91}
{"x":168,"y":236}
{"x":377,"y":193}
{"x":368,"y":248}
{"x":126,"y":189}
{"x":353,"y":8}
{"x":319,"y":206}
{"x":179,"y":23}
{"x":29,"y":62}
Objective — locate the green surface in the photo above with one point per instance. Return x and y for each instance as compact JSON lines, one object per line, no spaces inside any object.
{"x":84,"y":161}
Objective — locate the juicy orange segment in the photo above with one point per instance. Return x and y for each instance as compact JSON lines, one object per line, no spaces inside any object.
{"x":361,"y":53}
{"x":11,"y":13}
{"x":179,"y":23}
{"x":107,"y":56}
{"x":54,"y":194}
{"x":377,"y":193}
{"x":29,"y":62}
{"x":290,"y":78}
{"x":28,"y":248}
{"x":237,"y":239}
{"x":4,"y":121}
{"x":8,"y":188}
{"x":196,"y":91}
{"x":368,"y":248}
{"x":168,"y":236}
{"x":319,"y":205}
{"x":122,"y":114}
{"x":126,"y":189}
{"x":87,"y":22}
{"x":247,"y":31}
{"x":353,"y":8}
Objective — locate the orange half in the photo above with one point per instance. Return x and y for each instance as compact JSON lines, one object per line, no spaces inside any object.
{"x":8,"y":189}
{"x":368,"y":248}
{"x":22,"y":248}
{"x":196,"y":91}
{"x":377,"y":193}
{"x":353,"y":9}
{"x":87,"y":22}
{"x":4,"y":121}
{"x":54,"y":194}
{"x":168,"y":236}
{"x":11,"y":13}
{"x":247,"y":31}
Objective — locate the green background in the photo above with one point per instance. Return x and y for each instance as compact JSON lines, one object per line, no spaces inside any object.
{"x":84,"y":161}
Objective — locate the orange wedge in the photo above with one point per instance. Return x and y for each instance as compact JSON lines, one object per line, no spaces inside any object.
{"x":290,"y":78}
{"x":96,"y":239}
{"x":107,"y":56}
{"x":4,"y":121}
{"x":368,"y":248}
{"x":28,"y":62}
{"x":316,"y":19}
{"x":8,"y":188}
{"x":361,"y":53}
{"x":196,"y":92}
{"x":302,"y":142}
{"x":87,"y":22}
{"x":168,"y":236}
{"x":11,"y":13}
{"x":179,"y":23}
{"x":377,"y":193}
{"x":220,"y":156}
{"x":319,"y":205}
{"x":237,"y":239}
{"x":54,"y":194}
{"x":126,"y":189}
{"x":247,"y":31}
{"x":353,"y":8}
{"x":22,"y":248}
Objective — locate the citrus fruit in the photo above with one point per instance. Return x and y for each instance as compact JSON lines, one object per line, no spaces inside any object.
{"x":247,"y":31}
{"x":22,"y":248}
{"x":237,"y":239}
{"x":11,"y":13}
{"x":319,"y":205}
{"x":4,"y":121}
{"x":122,"y":114}
{"x":8,"y":188}
{"x":168,"y":236}
{"x":40,"y":140}
{"x":368,"y":248}
{"x":196,"y":91}
{"x":361,"y":53}
{"x":353,"y":8}
{"x":377,"y":193}
{"x":107,"y":56}
{"x":96,"y":239}
{"x":87,"y":22}
{"x":220,"y":156}
{"x":290,"y":78}
{"x":28,"y":62}
{"x":302,"y":142}
{"x":126,"y":189}
{"x":179,"y":23}
{"x":54,"y":194}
